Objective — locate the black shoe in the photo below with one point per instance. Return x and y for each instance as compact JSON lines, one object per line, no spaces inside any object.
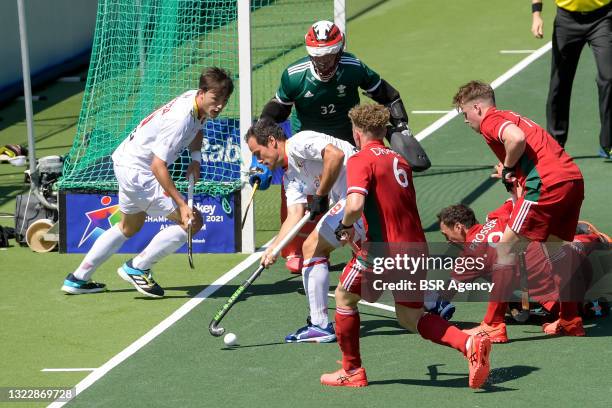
{"x":141,"y":279}
{"x":75,"y":286}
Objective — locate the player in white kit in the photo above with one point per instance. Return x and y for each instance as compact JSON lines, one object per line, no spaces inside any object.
{"x":145,"y":187}
{"x":315,"y":164}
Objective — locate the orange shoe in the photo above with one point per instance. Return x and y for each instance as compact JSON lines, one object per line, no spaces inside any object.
{"x":496,"y":333}
{"x":478,"y":360}
{"x":565,"y":327}
{"x":341,"y":378}
{"x":294,"y":264}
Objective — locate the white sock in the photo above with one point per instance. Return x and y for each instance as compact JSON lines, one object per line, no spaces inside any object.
{"x":166,"y":242}
{"x":430,"y":298}
{"x":315,"y":275}
{"x":107,"y":244}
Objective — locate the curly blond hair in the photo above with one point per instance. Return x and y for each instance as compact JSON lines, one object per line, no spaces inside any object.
{"x":371,"y":118}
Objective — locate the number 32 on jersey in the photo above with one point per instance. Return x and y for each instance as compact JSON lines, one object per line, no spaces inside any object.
{"x":328,"y":109}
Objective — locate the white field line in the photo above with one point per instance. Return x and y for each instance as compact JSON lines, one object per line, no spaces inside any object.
{"x":378,"y":306}
{"x":65,"y":370}
{"x":516,"y":51}
{"x":216,"y":285}
{"x":161,"y":327}
{"x":524,"y":63}
{"x":375,"y":304}
{"x":495,"y":84}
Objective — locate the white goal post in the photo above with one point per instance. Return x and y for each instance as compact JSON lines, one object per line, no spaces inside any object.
{"x":246,"y":106}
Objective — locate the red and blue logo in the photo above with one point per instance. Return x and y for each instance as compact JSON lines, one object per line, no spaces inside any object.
{"x":100,"y":220}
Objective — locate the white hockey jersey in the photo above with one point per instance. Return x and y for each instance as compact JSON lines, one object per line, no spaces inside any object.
{"x":165,"y":133}
{"x":305,"y":166}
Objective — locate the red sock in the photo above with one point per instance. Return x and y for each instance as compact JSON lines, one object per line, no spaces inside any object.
{"x":433,"y":327}
{"x":506,"y":279}
{"x":568,"y":310}
{"x":496,"y":312}
{"x":570,"y":280}
{"x":347,"y":333}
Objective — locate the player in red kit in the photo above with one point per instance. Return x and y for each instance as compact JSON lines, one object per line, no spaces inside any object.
{"x":552,"y":184}
{"x":458,"y":224}
{"x":380,"y":189}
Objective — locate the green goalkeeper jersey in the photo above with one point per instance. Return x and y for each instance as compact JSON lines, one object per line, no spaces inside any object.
{"x":323,"y":106}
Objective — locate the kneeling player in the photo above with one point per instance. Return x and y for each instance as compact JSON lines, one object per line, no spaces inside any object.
{"x":314,"y":164}
{"x":552,"y":183}
{"x":380,"y":187}
{"x":458,"y":224}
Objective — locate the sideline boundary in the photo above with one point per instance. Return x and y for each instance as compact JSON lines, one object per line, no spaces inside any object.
{"x":162,"y":326}
{"x":232,"y":273}
{"x":521,"y":65}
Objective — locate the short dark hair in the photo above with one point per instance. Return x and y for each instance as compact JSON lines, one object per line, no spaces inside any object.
{"x":263,"y":129}
{"x":218,"y":80}
{"x":458,"y":213}
{"x":474,"y":90}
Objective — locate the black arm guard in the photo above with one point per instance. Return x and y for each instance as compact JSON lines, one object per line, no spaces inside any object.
{"x":398,"y":113}
{"x":384,"y":93}
{"x":276,"y":111}
{"x":400,"y":136}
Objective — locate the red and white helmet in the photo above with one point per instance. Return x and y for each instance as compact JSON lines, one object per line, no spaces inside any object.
{"x":325,"y":43}
{"x":323,"y":38}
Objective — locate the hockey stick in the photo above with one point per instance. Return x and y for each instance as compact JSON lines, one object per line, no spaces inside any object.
{"x":213,"y":327}
{"x":255,"y":187}
{"x":522,"y":315}
{"x":353,"y":245}
{"x":524,"y":282}
{"x":524,"y":278}
{"x":189,"y":224}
